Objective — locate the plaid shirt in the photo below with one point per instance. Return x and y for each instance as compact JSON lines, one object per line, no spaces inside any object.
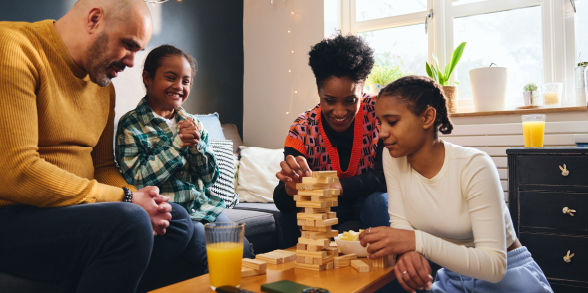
{"x":150,"y":154}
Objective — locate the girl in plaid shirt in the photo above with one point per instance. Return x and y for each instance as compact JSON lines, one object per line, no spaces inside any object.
{"x":159,"y":143}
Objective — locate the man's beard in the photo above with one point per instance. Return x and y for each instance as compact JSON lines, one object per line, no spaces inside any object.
{"x":99,"y":63}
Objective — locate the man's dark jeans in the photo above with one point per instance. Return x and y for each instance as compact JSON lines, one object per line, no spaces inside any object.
{"x":102,"y":247}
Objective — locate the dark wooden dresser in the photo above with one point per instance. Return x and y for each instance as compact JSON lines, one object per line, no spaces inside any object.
{"x":548,"y":202}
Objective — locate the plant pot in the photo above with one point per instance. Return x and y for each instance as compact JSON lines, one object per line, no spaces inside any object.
{"x":451,"y":95}
{"x":488,"y":88}
{"x":531,"y":98}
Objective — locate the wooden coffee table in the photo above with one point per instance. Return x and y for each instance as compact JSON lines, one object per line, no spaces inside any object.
{"x":345,"y":279}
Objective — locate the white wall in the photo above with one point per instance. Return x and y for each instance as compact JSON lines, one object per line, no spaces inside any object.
{"x":269,"y":102}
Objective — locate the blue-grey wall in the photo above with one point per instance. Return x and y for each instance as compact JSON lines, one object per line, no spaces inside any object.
{"x":210,"y":30}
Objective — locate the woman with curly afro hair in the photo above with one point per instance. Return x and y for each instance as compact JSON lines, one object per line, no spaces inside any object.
{"x":339,"y":134}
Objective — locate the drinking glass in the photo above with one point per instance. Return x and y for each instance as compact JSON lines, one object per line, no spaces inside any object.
{"x":224,"y":249}
{"x":552,"y":94}
{"x":533,"y":129}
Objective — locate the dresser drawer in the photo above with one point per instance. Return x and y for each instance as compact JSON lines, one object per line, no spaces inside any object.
{"x":545,"y":170}
{"x":549,"y":250}
{"x":543,"y":211}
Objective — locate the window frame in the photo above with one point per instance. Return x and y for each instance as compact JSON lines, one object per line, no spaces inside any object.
{"x":558,"y":31}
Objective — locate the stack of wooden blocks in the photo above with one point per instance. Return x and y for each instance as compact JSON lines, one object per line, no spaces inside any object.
{"x":316,"y":197}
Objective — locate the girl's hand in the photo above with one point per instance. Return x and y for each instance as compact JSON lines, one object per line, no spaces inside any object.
{"x":413,"y":272}
{"x":385,"y":240}
{"x":189,"y":132}
{"x":293,"y":169}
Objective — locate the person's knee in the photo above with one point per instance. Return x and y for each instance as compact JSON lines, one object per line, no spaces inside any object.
{"x":131,"y":231}
{"x":132,"y":216}
{"x":376,"y":200}
{"x":374,"y":210}
{"x":181,"y":221}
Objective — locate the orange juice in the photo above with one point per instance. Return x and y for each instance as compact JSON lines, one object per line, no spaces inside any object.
{"x":224,"y":263}
{"x":533,"y":133}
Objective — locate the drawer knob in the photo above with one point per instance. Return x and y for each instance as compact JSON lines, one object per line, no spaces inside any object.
{"x":568,"y":211}
{"x":568,"y":257}
{"x":564,"y":171}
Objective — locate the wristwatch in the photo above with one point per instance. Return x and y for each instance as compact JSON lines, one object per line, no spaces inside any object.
{"x":128,"y":197}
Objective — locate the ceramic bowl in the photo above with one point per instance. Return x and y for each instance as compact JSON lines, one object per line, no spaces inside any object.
{"x":347,"y":247}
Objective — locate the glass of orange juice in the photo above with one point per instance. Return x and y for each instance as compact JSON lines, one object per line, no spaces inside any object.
{"x":224,"y":249}
{"x":533,"y":130}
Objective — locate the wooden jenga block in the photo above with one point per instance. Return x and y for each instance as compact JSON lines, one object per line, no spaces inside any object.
{"x":287,"y":256}
{"x":307,"y":216}
{"x":314,"y":180}
{"x":299,"y":259}
{"x":360,"y":265}
{"x":316,"y":229}
{"x":320,"y":192}
{"x":314,"y":248}
{"x":270,"y":258}
{"x":314,"y":204}
{"x":277,"y":256}
{"x":321,"y":254}
{"x":300,"y":246}
{"x":319,"y":235}
{"x":255,"y":264}
{"x":341,"y":261}
{"x":323,"y":198}
{"x":305,"y":222}
{"x":350,"y":256}
{"x":322,"y":174}
{"x":320,"y":261}
{"x":327,"y":222}
{"x":331,"y":215}
{"x":311,"y":267}
{"x":312,"y":186}
{"x":249,"y":272}
{"x":317,"y":242}
{"x":331,"y":251}
{"x":311,"y":210}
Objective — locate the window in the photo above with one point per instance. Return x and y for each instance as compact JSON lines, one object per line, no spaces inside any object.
{"x":538,"y":41}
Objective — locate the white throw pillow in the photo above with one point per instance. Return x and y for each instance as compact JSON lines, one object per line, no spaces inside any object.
{"x":256,"y":177}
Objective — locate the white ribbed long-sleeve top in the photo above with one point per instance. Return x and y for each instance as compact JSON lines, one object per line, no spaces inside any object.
{"x":459,"y":216}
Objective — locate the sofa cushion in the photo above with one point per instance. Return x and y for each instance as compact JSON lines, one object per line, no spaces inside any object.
{"x":212,"y":125}
{"x":224,"y":187}
{"x":256,"y":177}
{"x":260,"y":207}
{"x":260,"y":228}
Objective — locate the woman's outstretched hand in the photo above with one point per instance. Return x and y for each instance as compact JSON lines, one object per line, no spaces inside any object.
{"x":381,"y":241}
{"x":293,"y":169}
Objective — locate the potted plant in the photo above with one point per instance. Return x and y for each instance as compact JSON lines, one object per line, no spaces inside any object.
{"x":441,"y":76}
{"x":380,"y":76}
{"x":530,"y":94}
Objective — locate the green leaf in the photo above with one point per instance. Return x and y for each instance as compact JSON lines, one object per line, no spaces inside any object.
{"x":454,"y":59}
{"x":428,"y":70}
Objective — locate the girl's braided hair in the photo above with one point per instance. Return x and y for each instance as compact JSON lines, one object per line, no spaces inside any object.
{"x":420,"y":92}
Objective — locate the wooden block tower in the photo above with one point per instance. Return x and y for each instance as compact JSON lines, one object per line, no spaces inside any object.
{"x":315,"y":196}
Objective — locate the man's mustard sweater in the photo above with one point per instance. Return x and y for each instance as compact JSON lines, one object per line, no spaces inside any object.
{"x":56,"y":126}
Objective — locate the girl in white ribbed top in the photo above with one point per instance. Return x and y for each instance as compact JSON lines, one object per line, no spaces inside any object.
{"x":445,"y":203}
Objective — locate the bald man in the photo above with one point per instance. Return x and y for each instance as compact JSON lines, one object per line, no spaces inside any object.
{"x":68,"y":216}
